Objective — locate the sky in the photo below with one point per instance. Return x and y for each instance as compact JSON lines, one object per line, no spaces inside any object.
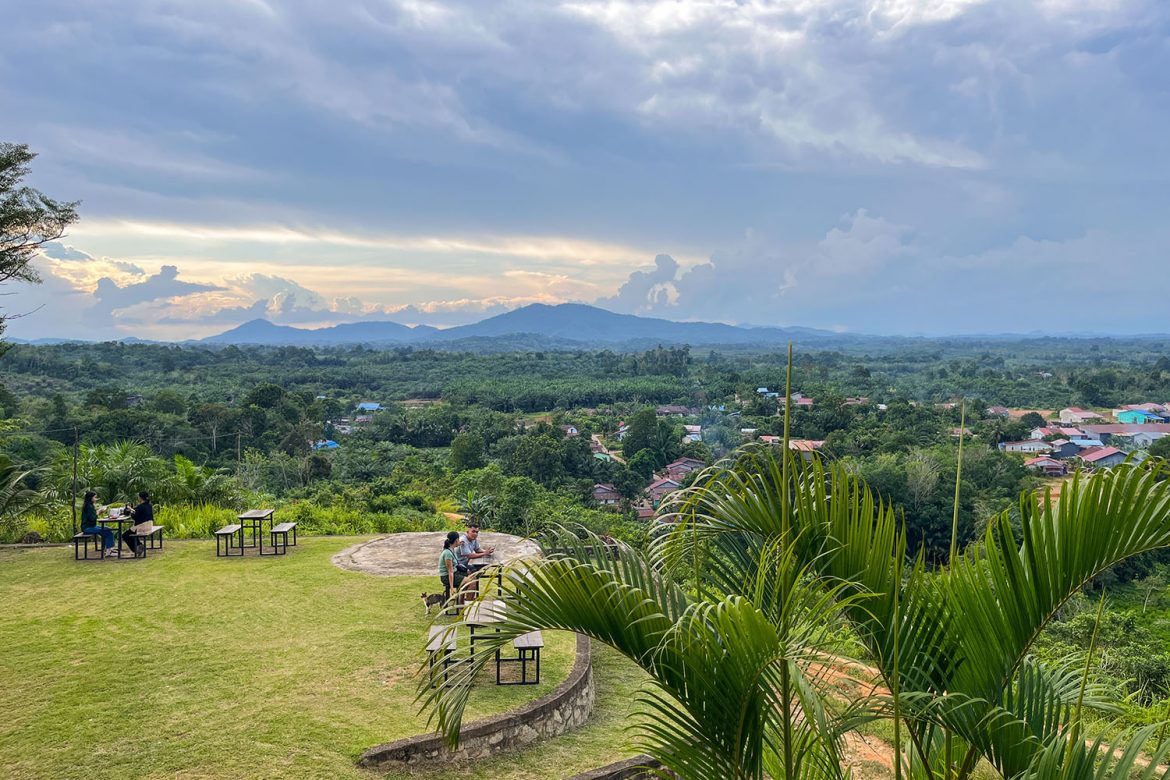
{"x":870,"y":166}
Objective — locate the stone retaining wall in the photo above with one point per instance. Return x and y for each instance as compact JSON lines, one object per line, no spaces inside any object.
{"x":567,"y":707}
{"x":630,"y":769}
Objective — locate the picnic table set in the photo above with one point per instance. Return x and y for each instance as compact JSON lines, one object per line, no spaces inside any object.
{"x":483,"y":618}
{"x":119,"y":518}
{"x":230,"y":540}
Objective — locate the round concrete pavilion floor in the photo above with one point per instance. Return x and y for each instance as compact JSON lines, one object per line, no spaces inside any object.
{"x":417,"y":554}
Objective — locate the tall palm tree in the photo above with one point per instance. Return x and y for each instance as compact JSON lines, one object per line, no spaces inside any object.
{"x":767,"y":555}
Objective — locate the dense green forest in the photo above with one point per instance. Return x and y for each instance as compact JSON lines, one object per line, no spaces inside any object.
{"x":232,"y":426}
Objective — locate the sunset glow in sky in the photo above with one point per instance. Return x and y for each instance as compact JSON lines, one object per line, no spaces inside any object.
{"x":880,"y":166}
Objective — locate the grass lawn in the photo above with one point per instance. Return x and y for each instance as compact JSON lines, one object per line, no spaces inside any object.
{"x":185,"y":665}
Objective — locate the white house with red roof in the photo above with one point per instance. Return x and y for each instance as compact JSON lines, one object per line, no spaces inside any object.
{"x":1075,"y":415}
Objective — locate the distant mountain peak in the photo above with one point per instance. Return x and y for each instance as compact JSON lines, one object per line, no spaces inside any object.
{"x":569,"y":323}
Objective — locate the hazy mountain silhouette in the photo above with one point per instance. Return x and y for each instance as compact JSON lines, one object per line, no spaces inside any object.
{"x":571,"y":323}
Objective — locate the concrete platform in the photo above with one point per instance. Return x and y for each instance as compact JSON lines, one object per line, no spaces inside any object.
{"x":417,"y":554}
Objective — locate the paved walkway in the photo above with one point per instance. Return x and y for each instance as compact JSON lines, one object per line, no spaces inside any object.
{"x":417,"y":554}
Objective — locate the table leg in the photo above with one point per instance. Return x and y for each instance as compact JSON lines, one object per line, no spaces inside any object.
{"x":260,"y":527}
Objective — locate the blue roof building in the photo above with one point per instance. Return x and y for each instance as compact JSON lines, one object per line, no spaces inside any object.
{"x":328,"y":444}
{"x":1137,"y":416}
{"x":369,"y":406}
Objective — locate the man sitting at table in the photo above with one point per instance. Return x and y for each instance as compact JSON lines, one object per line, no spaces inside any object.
{"x":469,"y":548}
{"x":143,"y":516}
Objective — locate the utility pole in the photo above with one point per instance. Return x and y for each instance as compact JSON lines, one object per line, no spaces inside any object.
{"x":73,"y":492}
{"x":237,"y":450}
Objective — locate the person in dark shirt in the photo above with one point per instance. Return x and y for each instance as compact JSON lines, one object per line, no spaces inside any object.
{"x":89,"y":520}
{"x":143,"y":516}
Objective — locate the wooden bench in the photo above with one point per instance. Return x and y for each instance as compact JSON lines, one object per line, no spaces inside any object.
{"x":81,"y":546}
{"x":155,"y":535}
{"x":528,"y":647}
{"x":440,"y":649}
{"x":226,"y":533}
{"x":281,"y":530}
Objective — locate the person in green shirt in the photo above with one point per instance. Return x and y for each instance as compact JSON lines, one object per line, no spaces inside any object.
{"x":449,"y":573}
{"x":89,"y":520}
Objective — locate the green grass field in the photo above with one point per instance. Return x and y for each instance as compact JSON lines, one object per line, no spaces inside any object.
{"x":185,"y":665}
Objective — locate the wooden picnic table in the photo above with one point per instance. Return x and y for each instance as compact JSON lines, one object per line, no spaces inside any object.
{"x":120,"y":519}
{"x":254,"y":519}
{"x":484,"y":615}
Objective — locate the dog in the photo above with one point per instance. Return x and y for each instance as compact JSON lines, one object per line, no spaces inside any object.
{"x":432,"y":600}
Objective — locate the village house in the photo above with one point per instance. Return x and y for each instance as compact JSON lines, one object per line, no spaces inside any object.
{"x":1060,"y":431}
{"x":660,"y":489}
{"x":644,"y":509}
{"x":606,"y":494}
{"x":1033,"y":446}
{"x":766,"y":439}
{"x":1102,"y":457}
{"x":1050,"y":467}
{"x":998,"y":411}
{"x":693,"y":433}
{"x":748,"y":433}
{"x":1087,"y":444}
{"x":860,"y":401}
{"x":1144,"y":439}
{"x":806,"y":445}
{"x":369,"y":406}
{"x":1158,"y":409}
{"x":622,"y":430}
{"x":1063,"y":448}
{"x":1137,"y":416}
{"x":1106,"y":432}
{"x":678,"y":469}
{"x":671,"y":410}
{"x":799,"y":401}
{"x":569,"y":431}
{"x":1074,"y":415}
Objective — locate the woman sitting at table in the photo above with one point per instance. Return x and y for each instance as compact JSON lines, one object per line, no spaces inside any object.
{"x":143,"y":516}
{"x":89,"y":520}
{"x":449,"y":573}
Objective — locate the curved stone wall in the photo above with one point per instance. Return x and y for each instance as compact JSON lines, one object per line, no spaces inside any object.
{"x":567,"y":707}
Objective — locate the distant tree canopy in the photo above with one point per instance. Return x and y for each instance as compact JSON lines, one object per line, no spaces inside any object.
{"x":28,"y":219}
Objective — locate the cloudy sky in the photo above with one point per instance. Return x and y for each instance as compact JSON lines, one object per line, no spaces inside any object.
{"x":882,"y":166}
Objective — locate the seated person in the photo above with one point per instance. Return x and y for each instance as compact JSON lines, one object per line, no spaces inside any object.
{"x":89,"y":520}
{"x":449,"y":574}
{"x":470,"y":549}
{"x":143,"y":516}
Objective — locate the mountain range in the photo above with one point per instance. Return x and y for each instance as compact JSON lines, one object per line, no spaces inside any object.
{"x":566,"y":324}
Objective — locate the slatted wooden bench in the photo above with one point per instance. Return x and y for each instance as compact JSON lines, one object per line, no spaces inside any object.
{"x":281,"y":530}
{"x":528,"y":647}
{"x":81,"y":546}
{"x":226,"y":533}
{"x":440,"y":649}
{"x":155,"y":535}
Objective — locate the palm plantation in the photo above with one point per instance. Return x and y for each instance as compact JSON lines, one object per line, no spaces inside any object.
{"x":773,"y":564}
